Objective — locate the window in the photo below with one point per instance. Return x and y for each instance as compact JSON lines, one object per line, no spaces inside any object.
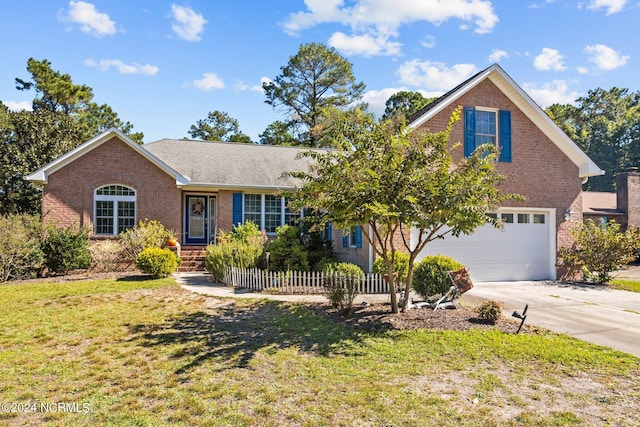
{"x":491,"y":216}
{"x":487,"y":126}
{"x":272,"y":213}
{"x":266,"y":210}
{"x":538,"y":218}
{"x":253,"y":208}
{"x":353,"y":239}
{"x":507,"y":218}
{"x":114,"y":209}
{"x":523,"y":218}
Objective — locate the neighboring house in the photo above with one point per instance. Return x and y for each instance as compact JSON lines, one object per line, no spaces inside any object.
{"x":623,"y":206}
{"x":195,"y":187}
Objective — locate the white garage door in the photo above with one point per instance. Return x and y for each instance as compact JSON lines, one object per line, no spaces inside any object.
{"x":523,"y":250}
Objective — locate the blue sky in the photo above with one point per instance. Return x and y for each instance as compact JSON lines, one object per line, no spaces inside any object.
{"x":163,"y":65}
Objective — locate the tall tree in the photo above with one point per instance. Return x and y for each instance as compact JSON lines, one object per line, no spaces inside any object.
{"x":28,"y":141}
{"x":277,"y":133}
{"x":314,"y":79}
{"x":605,"y":124}
{"x":218,"y":126}
{"x":56,"y":92}
{"x":387,"y":178}
{"x":405,"y":103}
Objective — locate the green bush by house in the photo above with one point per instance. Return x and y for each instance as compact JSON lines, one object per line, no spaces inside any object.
{"x":157,"y":262}
{"x":431,"y":275}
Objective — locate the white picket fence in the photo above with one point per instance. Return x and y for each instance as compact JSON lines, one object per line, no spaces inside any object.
{"x":295,"y":282}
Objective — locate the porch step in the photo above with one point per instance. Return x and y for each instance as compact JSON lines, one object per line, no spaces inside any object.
{"x":192,"y":258}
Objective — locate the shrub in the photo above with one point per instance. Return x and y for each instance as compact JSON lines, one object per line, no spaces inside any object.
{"x":147,"y":234}
{"x":66,"y":249}
{"x":157,"y":262}
{"x":599,"y":249}
{"x":400,"y":265}
{"x":107,"y":254}
{"x":21,"y":255}
{"x":231,"y":254}
{"x":341,"y":284}
{"x":490,"y":311}
{"x":431,"y":275}
{"x":287,"y":251}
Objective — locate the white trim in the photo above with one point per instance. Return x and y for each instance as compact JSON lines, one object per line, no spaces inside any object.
{"x":41,"y":176}
{"x":115,"y":200}
{"x":586,"y":166}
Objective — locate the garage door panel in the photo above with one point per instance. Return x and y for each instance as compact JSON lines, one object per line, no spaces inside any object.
{"x":515,"y":252}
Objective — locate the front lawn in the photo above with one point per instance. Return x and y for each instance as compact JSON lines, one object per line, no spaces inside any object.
{"x":625,"y":285}
{"x":146,"y":352}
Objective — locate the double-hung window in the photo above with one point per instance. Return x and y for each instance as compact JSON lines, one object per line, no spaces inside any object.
{"x":487,"y":126}
{"x":267,"y":211}
{"x":114,"y":209}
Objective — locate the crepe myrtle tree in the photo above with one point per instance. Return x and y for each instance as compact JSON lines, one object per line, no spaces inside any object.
{"x":387,"y":177}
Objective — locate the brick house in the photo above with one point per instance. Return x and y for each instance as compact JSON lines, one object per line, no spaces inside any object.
{"x":197,"y":188}
{"x":623,"y":206}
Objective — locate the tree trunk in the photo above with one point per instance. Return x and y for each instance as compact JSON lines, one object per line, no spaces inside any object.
{"x":392,"y":287}
{"x":407,"y":288}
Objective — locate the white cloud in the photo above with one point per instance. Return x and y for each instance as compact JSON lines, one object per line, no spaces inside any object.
{"x":612,"y":6}
{"x":133,"y":68}
{"x":377,"y":99}
{"x":208,"y":82}
{"x":429,"y":42}
{"x":583,"y":70}
{"x":556,"y":92}
{"x":497,"y":55}
{"x":188,"y":24}
{"x":549,"y":59}
{"x":242,"y":86}
{"x":605,"y":58}
{"x":19,"y":105}
{"x":365,"y":45}
{"x":90,"y":20}
{"x":434,"y":75}
{"x":373,"y":22}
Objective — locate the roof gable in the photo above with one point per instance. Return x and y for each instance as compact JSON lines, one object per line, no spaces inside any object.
{"x":42,"y":175}
{"x":523,"y":101}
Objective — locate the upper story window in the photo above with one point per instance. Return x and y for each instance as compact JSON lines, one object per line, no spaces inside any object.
{"x":487,"y":126}
{"x":114,"y":209}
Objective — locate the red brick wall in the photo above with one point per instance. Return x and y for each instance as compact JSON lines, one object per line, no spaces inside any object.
{"x":225,"y":211}
{"x":628,"y":195}
{"x":68,"y":196}
{"x":539,"y":171}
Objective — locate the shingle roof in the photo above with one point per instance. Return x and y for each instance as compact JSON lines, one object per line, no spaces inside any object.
{"x":225,"y":164}
{"x":600,"y":203}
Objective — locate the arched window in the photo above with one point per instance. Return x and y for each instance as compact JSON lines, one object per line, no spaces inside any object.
{"x":114,"y":209}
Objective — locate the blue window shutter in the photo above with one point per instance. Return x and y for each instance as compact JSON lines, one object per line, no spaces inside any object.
{"x":505,"y":136}
{"x":237,"y":209}
{"x":328,"y":232}
{"x":469,"y":130}
{"x":345,"y":241}
{"x":358,"y":237}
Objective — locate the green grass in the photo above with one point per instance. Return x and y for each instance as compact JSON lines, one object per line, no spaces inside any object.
{"x":146,"y":352}
{"x":625,"y":285}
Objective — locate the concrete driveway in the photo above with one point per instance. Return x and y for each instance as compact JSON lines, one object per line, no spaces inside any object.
{"x":592,"y":313}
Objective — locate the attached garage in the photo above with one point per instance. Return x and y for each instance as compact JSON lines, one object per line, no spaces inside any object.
{"x":525,"y":249}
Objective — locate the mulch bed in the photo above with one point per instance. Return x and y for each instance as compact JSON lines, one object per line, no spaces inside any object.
{"x":378,"y":317}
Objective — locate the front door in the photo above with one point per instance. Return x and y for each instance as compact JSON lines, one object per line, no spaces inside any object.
{"x":197,"y":219}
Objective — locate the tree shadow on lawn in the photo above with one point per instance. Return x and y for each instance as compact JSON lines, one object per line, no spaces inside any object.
{"x":234,"y":333}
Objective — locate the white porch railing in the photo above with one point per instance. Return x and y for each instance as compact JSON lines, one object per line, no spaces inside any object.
{"x":295,"y":282}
